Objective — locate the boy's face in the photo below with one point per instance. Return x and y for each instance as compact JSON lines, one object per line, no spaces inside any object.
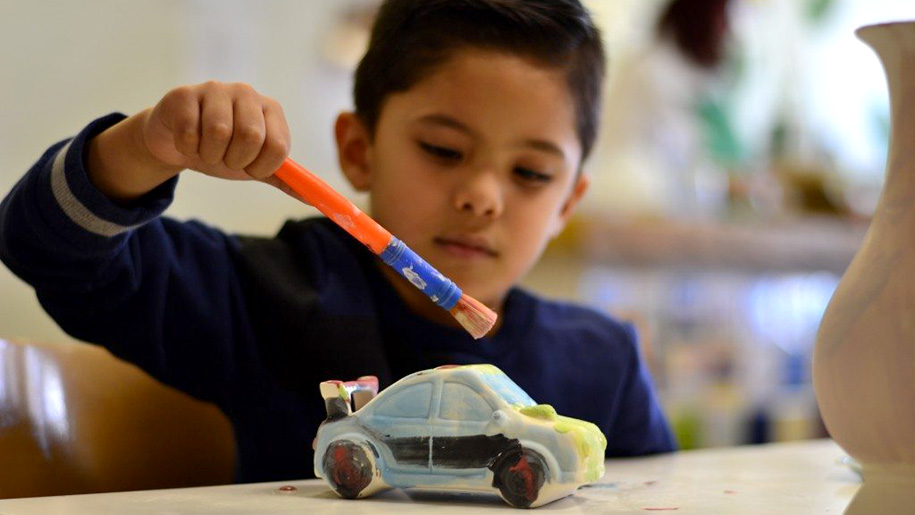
{"x":474,"y":167}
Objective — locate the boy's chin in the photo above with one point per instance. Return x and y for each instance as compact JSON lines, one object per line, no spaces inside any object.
{"x":492,"y":299}
{"x":477,"y":283}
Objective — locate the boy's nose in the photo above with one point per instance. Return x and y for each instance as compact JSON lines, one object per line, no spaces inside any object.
{"x":480,"y":195}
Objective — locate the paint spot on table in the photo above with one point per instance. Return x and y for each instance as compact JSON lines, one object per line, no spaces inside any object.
{"x":730,"y":492}
{"x":287,"y":488}
{"x":602,"y":486}
{"x":650,"y":483}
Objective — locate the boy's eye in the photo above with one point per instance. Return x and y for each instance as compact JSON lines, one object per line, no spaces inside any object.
{"x":530,"y":176}
{"x":443,"y":153}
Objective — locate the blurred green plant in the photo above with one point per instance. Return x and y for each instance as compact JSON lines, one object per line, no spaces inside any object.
{"x":817,"y":10}
{"x":721,"y":139}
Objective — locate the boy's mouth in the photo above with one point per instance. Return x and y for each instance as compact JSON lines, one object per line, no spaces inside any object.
{"x":466,"y":246}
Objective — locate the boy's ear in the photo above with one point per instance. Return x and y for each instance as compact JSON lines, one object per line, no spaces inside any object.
{"x":353,"y":146}
{"x":578,"y":191}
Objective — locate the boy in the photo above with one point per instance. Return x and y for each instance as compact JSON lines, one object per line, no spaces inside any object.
{"x":472,"y":120}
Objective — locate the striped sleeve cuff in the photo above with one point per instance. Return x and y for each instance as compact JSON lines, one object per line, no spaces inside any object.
{"x":83,"y":204}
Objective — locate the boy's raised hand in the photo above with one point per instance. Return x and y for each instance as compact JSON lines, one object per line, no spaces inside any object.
{"x":225,"y":130}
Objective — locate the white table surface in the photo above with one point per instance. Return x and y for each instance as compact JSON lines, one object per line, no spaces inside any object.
{"x":802,"y":478}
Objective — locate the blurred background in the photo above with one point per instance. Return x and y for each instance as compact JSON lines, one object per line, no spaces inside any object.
{"x":742,"y":155}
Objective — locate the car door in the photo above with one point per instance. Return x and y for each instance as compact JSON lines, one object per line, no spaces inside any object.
{"x":460,"y":445}
{"x":401,"y":420}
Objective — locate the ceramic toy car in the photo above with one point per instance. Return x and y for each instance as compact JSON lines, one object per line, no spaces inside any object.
{"x":464,"y":428}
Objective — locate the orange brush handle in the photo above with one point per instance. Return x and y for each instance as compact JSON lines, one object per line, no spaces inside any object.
{"x":317,"y":193}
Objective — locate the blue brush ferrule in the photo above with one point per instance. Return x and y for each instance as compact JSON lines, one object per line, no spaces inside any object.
{"x":440,"y":289}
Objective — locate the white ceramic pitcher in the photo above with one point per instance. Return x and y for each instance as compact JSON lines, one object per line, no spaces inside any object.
{"x":864,"y":359}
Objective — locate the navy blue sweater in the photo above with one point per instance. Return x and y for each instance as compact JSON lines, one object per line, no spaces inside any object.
{"x":253,"y":324}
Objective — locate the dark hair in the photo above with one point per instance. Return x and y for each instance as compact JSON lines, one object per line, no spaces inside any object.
{"x":698,"y":29}
{"x":411,"y":37}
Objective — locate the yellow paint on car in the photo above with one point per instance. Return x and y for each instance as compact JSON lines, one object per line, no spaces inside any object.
{"x":540,"y":411}
{"x":588,"y":439}
{"x":483,"y":369}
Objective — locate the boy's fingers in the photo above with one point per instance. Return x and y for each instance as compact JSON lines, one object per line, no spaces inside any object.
{"x":216,"y":126}
{"x":181,"y":112}
{"x":248,"y":133}
{"x":276,"y":144}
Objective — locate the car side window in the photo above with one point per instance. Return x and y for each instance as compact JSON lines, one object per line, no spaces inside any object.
{"x":410,"y":402}
{"x":461,"y":402}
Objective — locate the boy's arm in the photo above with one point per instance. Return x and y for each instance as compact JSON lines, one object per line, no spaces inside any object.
{"x":156,"y":292}
{"x":640,"y":426}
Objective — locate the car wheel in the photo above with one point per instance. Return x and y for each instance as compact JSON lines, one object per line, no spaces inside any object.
{"x":519,"y":478}
{"x":350,"y":469}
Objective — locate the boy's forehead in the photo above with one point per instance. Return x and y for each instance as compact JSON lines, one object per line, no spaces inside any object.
{"x":479,"y":85}
{"x":482,"y":63}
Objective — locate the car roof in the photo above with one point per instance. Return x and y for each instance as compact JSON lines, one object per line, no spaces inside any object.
{"x":489,"y":377}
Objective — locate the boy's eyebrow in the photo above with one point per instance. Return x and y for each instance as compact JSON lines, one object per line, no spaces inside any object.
{"x":546,"y":146}
{"x":448,"y":121}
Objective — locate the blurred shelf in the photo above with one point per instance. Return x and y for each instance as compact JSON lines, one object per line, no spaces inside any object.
{"x":804,"y":244}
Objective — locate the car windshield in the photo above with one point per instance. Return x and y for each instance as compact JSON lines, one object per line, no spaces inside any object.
{"x":508,"y":390}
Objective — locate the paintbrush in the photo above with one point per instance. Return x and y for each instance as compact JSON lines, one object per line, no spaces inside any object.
{"x":473,"y":316}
